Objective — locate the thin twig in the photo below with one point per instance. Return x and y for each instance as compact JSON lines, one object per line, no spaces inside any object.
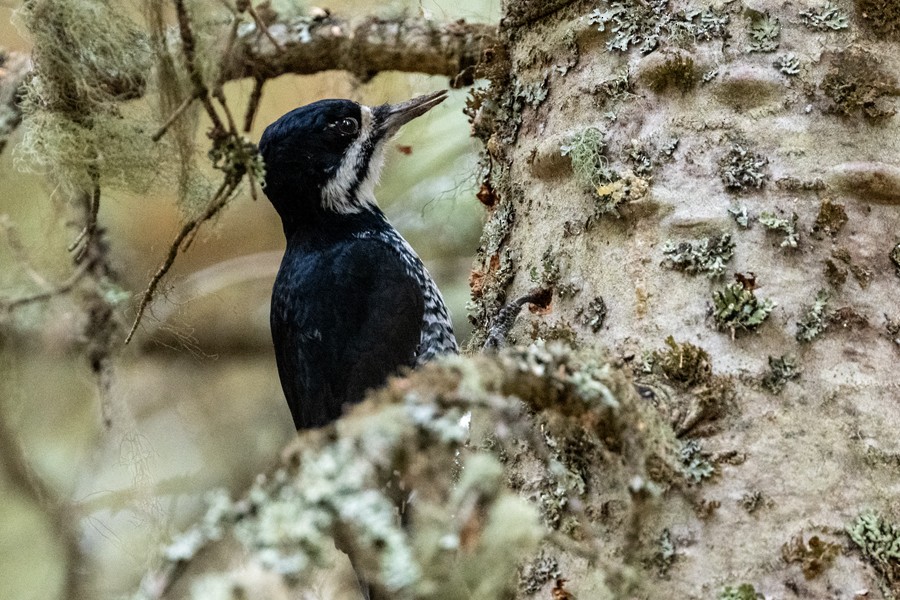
{"x":63,"y":288}
{"x":19,"y":253}
{"x":253,"y":105}
{"x":175,"y":114}
{"x":218,"y":202}
{"x":264,"y":28}
{"x":220,"y":96}
{"x":188,"y":50}
{"x":188,"y":231}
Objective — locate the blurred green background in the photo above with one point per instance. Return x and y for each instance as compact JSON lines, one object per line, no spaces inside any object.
{"x":199,"y":403}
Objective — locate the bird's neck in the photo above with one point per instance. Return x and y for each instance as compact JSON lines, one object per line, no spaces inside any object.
{"x":323,"y":226}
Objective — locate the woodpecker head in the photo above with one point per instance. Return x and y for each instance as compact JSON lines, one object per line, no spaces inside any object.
{"x":326,"y":157}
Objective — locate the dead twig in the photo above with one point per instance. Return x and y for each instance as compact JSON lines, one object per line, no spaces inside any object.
{"x":185,"y":104}
{"x":247,"y":6}
{"x":63,"y":288}
{"x":253,"y":104}
{"x":180,"y":243}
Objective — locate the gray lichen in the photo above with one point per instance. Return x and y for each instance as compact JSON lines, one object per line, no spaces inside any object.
{"x":538,"y":571}
{"x":740,"y":215}
{"x":764,"y":32}
{"x":825,"y":17}
{"x":781,"y":370}
{"x":815,"y":320}
{"x":741,"y":168}
{"x":665,"y":552}
{"x":640,"y":158}
{"x":787,"y":64}
{"x":788,"y":227}
{"x":646,"y":24}
{"x":707,"y":255}
{"x":594,"y":314}
{"x":695,"y":463}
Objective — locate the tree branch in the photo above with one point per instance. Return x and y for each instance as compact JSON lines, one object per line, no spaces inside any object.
{"x":414,"y":45}
{"x":311,"y":45}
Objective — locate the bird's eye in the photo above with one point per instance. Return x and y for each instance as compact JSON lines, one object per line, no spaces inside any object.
{"x":348,"y":126}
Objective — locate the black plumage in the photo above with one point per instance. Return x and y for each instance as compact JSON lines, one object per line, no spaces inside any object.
{"x":352,"y":302}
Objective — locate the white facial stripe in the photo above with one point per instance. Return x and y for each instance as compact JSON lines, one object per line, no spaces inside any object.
{"x":366,"y":190}
{"x":336,"y":193}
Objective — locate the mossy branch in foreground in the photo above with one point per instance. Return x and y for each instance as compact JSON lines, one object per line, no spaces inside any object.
{"x":461,"y":533}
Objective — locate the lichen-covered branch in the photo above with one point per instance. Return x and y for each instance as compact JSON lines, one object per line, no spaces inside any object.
{"x":365,"y":48}
{"x":466,"y":524}
{"x":312,"y":45}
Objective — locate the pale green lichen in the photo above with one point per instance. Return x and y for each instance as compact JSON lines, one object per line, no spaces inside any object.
{"x":740,"y":215}
{"x":646,"y":24}
{"x":763,"y":32}
{"x":708,"y":256}
{"x":745,"y":591}
{"x":824,"y":18}
{"x":530,"y":93}
{"x":736,"y":307}
{"x":815,"y":320}
{"x":788,"y":227}
{"x":586,"y":152}
{"x":788,"y":64}
{"x":781,"y":370}
{"x":879,"y":542}
{"x":591,"y":168}
{"x":89,"y":58}
{"x":695,"y":463}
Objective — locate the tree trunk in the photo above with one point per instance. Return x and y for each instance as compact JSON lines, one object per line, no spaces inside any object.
{"x":714,"y":187}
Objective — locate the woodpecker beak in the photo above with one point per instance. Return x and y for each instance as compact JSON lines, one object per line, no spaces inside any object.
{"x":394,"y":116}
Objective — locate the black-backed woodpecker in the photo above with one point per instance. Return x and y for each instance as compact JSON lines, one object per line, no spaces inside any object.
{"x":352,"y":302}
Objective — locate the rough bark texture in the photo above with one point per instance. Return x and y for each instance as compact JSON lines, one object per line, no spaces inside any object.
{"x":758,"y":107}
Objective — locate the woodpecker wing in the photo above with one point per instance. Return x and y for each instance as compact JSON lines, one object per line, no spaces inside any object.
{"x":344,"y":318}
